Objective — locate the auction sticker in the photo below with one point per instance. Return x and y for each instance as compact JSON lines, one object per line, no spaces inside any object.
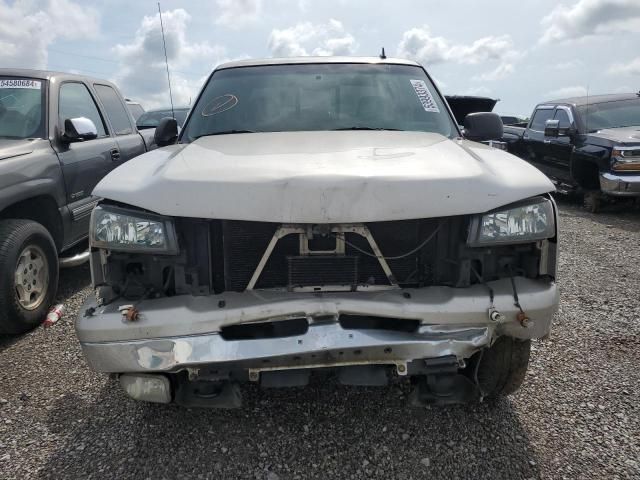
{"x":424,"y":95}
{"x":20,"y":83}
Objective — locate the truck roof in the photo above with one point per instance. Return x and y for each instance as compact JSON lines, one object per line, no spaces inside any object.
{"x":48,"y":75}
{"x":593,"y":99}
{"x":254,"y":62}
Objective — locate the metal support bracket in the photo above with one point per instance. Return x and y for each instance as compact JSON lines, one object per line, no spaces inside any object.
{"x":305,"y":232}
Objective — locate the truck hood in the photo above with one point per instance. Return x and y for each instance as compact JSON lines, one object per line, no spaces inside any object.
{"x":323,"y":177}
{"x":13,"y":148}
{"x":621,"y":134}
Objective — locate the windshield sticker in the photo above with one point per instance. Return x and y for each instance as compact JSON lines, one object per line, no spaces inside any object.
{"x":424,"y":95}
{"x":20,"y":83}
{"x":220,"y":104}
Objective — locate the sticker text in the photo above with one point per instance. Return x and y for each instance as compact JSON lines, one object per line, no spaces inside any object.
{"x":424,"y":95}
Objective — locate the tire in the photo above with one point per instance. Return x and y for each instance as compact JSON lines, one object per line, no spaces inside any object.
{"x":26,"y":244}
{"x":592,"y":202}
{"x":503,"y":367}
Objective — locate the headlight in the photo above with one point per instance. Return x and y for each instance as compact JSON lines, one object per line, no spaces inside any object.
{"x":520,"y":223}
{"x":116,"y":228}
{"x":625,"y":159}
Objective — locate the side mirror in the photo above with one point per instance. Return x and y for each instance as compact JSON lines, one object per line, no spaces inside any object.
{"x":166,"y":132}
{"x":482,"y":126}
{"x":552,"y":129}
{"x":79,"y":129}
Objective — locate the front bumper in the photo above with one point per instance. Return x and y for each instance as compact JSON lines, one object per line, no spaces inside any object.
{"x":620,"y":185}
{"x":181,"y":332}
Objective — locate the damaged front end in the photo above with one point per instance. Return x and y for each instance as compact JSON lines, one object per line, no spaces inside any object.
{"x":186,"y":309}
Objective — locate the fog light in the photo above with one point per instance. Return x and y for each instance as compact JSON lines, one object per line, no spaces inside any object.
{"x":147,"y":388}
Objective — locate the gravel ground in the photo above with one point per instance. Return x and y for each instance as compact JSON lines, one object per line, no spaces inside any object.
{"x":577,"y":416}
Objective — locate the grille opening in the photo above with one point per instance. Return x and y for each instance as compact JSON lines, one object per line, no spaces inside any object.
{"x":316,"y":270}
{"x":362,"y":322}
{"x":277,"y":329}
{"x":238,"y":246}
{"x":322,"y":243}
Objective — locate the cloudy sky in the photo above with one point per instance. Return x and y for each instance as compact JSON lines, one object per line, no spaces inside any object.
{"x":519,"y":51}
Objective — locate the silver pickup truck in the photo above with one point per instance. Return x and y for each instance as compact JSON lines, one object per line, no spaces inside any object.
{"x":320,"y":215}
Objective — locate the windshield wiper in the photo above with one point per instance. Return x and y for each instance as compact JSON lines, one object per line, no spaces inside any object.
{"x":225,"y":132}
{"x":368,"y":128}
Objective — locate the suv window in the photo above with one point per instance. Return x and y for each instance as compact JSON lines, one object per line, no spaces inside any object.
{"x":76,"y":101}
{"x":116,"y":111}
{"x":21,"y":112}
{"x":540,"y":117}
{"x":135,"y":109}
{"x":563,"y":116}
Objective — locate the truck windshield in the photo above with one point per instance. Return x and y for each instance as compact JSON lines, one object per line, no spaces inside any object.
{"x":21,"y":112}
{"x":319,"y":97}
{"x":621,"y":113}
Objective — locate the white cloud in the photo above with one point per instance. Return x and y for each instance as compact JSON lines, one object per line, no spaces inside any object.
{"x":573,"y":91}
{"x":238,"y":13}
{"x":143,"y":74}
{"x":307,"y":38}
{"x":501,"y":71}
{"x":421,"y":45}
{"x":485,"y":49}
{"x":28,"y":28}
{"x":303,"y":5}
{"x":629,"y":68}
{"x":591,"y":17}
{"x":481,"y":91}
{"x":569,"y":65}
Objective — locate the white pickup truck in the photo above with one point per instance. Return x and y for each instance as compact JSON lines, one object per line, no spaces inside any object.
{"x":320,"y":215}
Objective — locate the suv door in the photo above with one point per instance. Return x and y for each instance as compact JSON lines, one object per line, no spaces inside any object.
{"x":561,"y":147}
{"x":130,"y":143}
{"x":534,"y":134}
{"x":83,"y":163}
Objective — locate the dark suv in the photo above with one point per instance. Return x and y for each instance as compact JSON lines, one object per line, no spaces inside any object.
{"x":59,"y":135}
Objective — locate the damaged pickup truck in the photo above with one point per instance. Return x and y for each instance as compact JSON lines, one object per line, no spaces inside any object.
{"x":320,"y":216}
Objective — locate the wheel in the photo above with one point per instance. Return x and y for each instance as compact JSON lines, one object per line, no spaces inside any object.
{"x":28,"y":274}
{"x":503,"y":367}
{"x":592,"y":201}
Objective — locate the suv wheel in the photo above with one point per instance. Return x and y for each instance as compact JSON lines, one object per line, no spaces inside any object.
{"x":592,"y":201}
{"x":28,"y":274}
{"x":503,"y":366}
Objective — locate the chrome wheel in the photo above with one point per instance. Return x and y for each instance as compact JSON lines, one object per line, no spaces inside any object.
{"x":31,"y":277}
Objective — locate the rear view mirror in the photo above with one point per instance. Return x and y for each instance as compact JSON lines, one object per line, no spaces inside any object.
{"x":482,"y":126}
{"x":78,"y":129}
{"x":166,"y":132}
